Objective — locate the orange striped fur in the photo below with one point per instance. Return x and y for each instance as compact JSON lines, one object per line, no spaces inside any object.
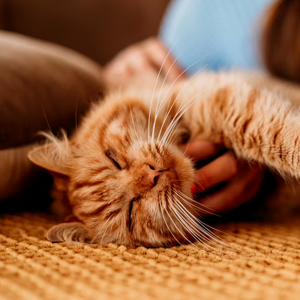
{"x":129,"y":183}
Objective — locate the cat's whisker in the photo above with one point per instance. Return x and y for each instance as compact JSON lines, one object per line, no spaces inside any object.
{"x":201,"y":240}
{"x":173,"y":141}
{"x":172,"y":126}
{"x":103,"y":235}
{"x":171,"y":85}
{"x":206,"y":227}
{"x":168,"y":133}
{"x":95,"y":237}
{"x":200,"y":233}
{"x":92,"y":241}
{"x":189,"y":215}
{"x":194,"y":206}
{"x":186,"y":225}
{"x":174,"y":123}
{"x":169,"y":139}
{"x":184,"y":86}
{"x":178,"y":115}
{"x":201,"y":226}
{"x":188,"y":200}
{"x":187,"y":222}
{"x":154,"y":89}
{"x":46,"y":118}
{"x":161,"y":88}
{"x":191,"y":201}
{"x":206,"y":197}
{"x":201,"y":222}
{"x":176,"y":224}
{"x":158,"y":108}
{"x":101,"y":232}
{"x":184,"y":71}
{"x":162,"y":213}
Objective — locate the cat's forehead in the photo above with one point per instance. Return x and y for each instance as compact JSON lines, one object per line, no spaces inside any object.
{"x":118,"y":125}
{"x":123,"y":124}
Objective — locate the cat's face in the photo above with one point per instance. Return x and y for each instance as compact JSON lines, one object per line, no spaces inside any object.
{"x":123,"y":186}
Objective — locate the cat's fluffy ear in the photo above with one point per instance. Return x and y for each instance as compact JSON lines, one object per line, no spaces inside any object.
{"x":68,"y":232}
{"x":52,"y":156}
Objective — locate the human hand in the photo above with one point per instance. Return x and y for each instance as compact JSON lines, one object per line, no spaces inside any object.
{"x":243,"y":180}
{"x":143,"y":59}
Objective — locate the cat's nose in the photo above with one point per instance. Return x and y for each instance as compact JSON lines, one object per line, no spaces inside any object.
{"x":153,"y":174}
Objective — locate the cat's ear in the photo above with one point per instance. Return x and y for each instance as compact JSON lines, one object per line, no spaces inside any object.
{"x":68,"y":232}
{"x":51,"y":157}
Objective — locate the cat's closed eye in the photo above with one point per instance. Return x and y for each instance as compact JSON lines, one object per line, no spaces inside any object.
{"x":111,"y":155}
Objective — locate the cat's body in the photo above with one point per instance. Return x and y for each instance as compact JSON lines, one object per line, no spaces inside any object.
{"x":128,"y":182}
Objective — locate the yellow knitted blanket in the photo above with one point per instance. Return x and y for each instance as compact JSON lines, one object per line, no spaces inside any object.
{"x":33,"y":268}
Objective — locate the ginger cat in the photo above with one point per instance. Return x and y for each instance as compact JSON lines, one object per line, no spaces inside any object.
{"x":122,"y":174}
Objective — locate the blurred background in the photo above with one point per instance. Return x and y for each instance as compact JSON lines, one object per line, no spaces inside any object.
{"x":96,"y":28}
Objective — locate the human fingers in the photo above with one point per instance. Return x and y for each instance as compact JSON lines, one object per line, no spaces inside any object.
{"x":222,"y":169}
{"x":201,"y":149}
{"x":161,"y":57}
{"x":127,"y":65}
{"x":146,"y":57}
{"x":239,"y":190}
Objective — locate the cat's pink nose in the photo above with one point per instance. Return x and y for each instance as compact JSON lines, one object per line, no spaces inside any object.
{"x":152,"y":174}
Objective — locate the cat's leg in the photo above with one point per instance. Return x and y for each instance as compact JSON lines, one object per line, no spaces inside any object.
{"x":257,"y":124}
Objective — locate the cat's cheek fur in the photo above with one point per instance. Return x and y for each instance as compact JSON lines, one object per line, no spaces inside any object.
{"x":148,"y":227}
{"x":185,"y":172}
{"x":112,"y":231}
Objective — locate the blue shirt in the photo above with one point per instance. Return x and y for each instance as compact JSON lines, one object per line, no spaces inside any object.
{"x":219,"y":34}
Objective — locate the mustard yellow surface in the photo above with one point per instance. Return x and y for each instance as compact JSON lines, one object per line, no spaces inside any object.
{"x":33,"y":268}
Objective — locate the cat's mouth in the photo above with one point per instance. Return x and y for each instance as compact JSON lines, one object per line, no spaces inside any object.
{"x":132,"y":202}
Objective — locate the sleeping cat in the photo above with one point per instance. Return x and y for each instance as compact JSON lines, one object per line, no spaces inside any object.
{"x":122,"y":175}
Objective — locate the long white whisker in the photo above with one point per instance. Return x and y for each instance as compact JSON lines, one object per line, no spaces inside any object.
{"x":194,"y":207}
{"x":174,"y":122}
{"x":191,"y":199}
{"x":176,"y":118}
{"x":181,"y":195}
{"x":177,"y":226}
{"x":208,"y":232}
{"x":170,"y":109}
{"x":158,"y":98}
{"x":183,"y":223}
{"x":183,"y":214}
{"x":162,"y":212}
{"x":203,"y":233}
{"x":188,"y":214}
{"x":184,"y":71}
{"x":174,"y":139}
{"x":203,"y":229}
{"x":154,"y":89}
{"x":92,"y":241}
{"x":159,"y":105}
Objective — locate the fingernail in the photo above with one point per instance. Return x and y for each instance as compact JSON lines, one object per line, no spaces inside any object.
{"x":193,"y":189}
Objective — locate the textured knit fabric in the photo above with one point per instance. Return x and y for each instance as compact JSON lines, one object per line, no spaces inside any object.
{"x":32,"y":268}
{"x":222,"y":34}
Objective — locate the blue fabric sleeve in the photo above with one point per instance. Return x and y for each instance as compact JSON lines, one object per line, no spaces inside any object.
{"x":215,"y":34}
